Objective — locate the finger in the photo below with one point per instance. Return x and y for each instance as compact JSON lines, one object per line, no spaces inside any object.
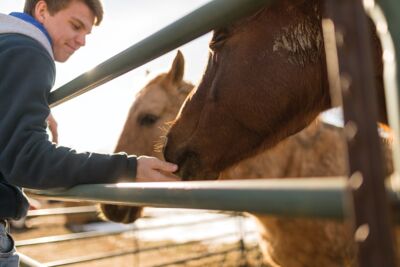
{"x":164,"y":166}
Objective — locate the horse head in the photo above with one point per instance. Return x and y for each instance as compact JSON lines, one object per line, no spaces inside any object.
{"x":265,"y":80}
{"x":155,"y":105}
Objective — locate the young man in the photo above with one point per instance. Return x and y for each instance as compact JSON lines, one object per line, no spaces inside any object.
{"x":48,"y":30}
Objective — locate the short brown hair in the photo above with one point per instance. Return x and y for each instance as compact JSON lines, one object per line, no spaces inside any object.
{"x":56,"y":5}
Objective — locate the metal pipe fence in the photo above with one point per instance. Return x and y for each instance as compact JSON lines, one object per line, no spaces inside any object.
{"x":239,"y":235}
{"x":124,"y":252}
{"x":95,"y":234}
{"x":289,"y":197}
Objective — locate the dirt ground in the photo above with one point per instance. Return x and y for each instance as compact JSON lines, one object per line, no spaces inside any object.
{"x":153,"y":253}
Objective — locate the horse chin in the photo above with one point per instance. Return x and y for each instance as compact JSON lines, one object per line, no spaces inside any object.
{"x":191,"y":165}
{"x":120,"y":214}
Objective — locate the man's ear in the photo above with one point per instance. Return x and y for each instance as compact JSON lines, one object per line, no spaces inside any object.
{"x":40,"y":13}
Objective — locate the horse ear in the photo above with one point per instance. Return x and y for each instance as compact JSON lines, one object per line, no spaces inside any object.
{"x":175,"y":74}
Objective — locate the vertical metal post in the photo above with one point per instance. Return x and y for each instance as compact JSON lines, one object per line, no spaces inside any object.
{"x":372,"y":226}
{"x":386,"y":16}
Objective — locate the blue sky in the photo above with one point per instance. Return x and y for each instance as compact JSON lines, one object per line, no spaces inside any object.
{"x":92,"y":122}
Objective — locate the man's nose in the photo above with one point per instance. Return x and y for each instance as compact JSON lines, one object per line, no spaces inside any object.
{"x":81,"y":39}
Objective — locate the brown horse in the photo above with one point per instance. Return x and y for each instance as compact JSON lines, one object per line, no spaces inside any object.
{"x":316,"y":151}
{"x":159,"y":101}
{"x":265,"y":80}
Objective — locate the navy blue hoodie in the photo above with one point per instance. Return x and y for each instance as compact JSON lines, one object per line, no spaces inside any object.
{"x":27,"y":157}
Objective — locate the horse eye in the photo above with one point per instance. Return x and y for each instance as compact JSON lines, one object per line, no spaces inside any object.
{"x":216,"y":43}
{"x":219,"y":38}
{"x":147,"y":119}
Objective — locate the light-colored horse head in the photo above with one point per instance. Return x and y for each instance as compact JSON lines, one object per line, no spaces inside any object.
{"x":154,"y":107}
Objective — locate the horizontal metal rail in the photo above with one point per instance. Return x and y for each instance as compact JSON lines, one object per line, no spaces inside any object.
{"x":62,"y":211}
{"x":93,"y":234}
{"x":318,"y":197}
{"x":212,"y":15}
{"x":26,"y":261}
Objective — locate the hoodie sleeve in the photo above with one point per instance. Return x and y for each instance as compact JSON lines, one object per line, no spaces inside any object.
{"x":13,"y":203}
{"x":27,"y":157}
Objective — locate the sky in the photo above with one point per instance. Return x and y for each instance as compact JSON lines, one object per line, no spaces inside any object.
{"x":93,"y":121}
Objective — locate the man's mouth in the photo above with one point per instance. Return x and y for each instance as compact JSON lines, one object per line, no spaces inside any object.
{"x":71,"y":49}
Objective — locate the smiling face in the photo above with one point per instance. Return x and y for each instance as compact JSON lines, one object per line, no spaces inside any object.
{"x":67,"y":28}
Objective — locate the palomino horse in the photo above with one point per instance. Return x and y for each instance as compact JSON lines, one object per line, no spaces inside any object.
{"x":316,"y":151}
{"x":265,"y":80}
{"x":154,"y":106}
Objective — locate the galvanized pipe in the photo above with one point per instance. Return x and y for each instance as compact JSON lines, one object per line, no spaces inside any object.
{"x":94,"y":234}
{"x":62,"y":211}
{"x":26,"y":261}
{"x":386,"y":18}
{"x":322,"y":197}
{"x":212,"y":15}
{"x":391,"y":9}
{"x":369,"y":202}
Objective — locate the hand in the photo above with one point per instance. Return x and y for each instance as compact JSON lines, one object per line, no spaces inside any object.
{"x":52,"y":124}
{"x":150,"y":169}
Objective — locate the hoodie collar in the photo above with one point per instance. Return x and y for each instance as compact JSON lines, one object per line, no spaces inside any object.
{"x":11,"y":24}
{"x":28,"y":18}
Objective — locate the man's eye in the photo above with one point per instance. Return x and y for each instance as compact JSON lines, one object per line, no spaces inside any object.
{"x":75,"y":27}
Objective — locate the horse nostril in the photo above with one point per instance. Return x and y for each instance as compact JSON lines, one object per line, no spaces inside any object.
{"x":185,"y":157}
{"x":187,"y":160}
